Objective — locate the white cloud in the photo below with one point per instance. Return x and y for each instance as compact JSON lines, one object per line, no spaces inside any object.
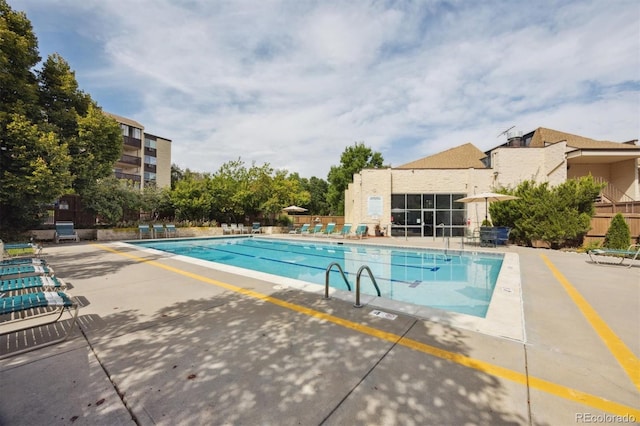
{"x":294,"y":83}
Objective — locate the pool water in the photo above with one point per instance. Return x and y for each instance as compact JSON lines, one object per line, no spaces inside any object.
{"x":461,"y":282}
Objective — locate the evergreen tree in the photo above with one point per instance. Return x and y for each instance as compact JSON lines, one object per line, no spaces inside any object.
{"x":618,"y":235}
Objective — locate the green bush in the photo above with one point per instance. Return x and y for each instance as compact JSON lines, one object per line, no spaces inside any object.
{"x":619,"y":235}
{"x":559,"y":215}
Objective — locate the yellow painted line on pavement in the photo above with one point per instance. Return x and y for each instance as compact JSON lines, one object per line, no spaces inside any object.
{"x":488,"y":368}
{"x":627,"y":359}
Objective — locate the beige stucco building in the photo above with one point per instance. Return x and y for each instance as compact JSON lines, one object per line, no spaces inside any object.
{"x":419,"y":198}
{"x":146,"y":158}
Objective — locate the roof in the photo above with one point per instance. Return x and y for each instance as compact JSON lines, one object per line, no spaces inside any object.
{"x":542,"y":137}
{"x":124,"y":120}
{"x":461,"y":157}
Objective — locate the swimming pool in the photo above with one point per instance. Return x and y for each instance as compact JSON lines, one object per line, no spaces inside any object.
{"x":461,"y":282}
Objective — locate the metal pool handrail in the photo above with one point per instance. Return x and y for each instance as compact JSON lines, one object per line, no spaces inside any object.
{"x":326,"y":278}
{"x":364,"y":268}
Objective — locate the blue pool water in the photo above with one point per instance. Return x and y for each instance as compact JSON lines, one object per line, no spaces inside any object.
{"x":461,"y":282}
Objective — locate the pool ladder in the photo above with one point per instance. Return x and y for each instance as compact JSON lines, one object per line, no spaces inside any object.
{"x":344,"y":277}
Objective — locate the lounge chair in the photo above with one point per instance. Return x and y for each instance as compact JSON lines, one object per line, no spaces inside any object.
{"x":344,"y":232}
{"x":317,"y":229}
{"x":30,"y":283}
{"x":361,"y":231}
{"x":241,"y":229}
{"x":234,"y":228}
{"x":21,"y":308}
{"x":329,"y":229}
{"x":15,"y":261}
{"x":225,"y":229}
{"x":304,"y":229}
{"x":24,"y":270}
{"x":488,"y":236}
{"x":171,"y":230}
{"x":256,"y":228}
{"x":144,"y":231}
{"x":65,"y":231}
{"x":158,"y":230}
{"x":632,"y":253}
{"x":16,"y":250}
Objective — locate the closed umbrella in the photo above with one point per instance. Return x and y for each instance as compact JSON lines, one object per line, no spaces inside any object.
{"x":486,"y":197}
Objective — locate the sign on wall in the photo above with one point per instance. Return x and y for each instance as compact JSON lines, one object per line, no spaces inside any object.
{"x":374,"y":206}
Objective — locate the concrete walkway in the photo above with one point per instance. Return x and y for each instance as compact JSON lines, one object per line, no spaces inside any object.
{"x":167,"y":342}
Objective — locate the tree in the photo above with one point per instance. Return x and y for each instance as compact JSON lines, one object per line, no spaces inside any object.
{"x":111,"y":199}
{"x":618,"y":235}
{"x":193,"y":198}
{"x":53,"y":138}
{"x":59,"y":97}
{"x":318,"y":190}
{"x":35,"y":170}
{"x":353,"y":160}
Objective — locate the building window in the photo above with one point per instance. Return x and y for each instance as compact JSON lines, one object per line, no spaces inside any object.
{"x":125,"y":129}
{"x":149,"y":143}
{"x":137,"y":133}
{"x":427,"y":215}
{"x":150,"y":160}
{"x":148,"y":176}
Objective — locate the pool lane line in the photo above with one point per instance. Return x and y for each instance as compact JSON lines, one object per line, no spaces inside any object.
{"x":466,"y":361}
{"x":625,"y":357}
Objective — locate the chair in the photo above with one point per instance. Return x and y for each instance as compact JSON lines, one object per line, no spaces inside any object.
{"x":317,"y":228}
{"x":304,"y":229}
{"x":329,"y":229}
{"x":15,"y":261}
{"x":171,"y":230}
{"x":40,"y":282}
{"x":256,"y":228}
{"x":24,"y":270}
{"x":65,"y":231}
{"x":16,"y":250}
{"x":225,"y":229}
{"x":344,"y":232}
{"x":361,"y":231}
{"x":242,"y":229}
{"x":234,"y":228}
{"x":502,"y":235}
{"x":19,"y":308}
{"x":632,"y":253}
{"x":488,"y":236}
{"x":158,"y":230}
{"x":144,"y":231}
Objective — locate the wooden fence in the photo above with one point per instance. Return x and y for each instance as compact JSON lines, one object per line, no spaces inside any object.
{"x":600,"y":225}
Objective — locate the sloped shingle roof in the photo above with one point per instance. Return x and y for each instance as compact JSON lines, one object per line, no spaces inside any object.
{"x":461,"y":157}
{"x":542,"y":137}
{"x":124,"y":120}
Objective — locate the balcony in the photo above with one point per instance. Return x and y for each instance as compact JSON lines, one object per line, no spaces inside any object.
{"x":128,"y":176}
{"x":132,"y":142}
{"x":130,"y":160}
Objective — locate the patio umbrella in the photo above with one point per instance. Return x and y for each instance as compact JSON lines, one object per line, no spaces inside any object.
{"x":294,"y":209}
{"x":486,"y":197}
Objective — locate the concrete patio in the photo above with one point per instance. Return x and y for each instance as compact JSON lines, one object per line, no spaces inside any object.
{"x":162,"y":341}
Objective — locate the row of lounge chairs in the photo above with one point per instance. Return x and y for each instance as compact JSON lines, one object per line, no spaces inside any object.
{"x":361,"y":230}
{"x":157,"y":230}
{"x":31,"y":296}
{"x":239,"y":228}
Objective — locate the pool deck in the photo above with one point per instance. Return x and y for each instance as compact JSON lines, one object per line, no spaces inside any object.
{"x":169,"y":342}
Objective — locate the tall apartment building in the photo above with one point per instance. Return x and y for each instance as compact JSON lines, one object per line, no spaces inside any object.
{"x":146,"y":158}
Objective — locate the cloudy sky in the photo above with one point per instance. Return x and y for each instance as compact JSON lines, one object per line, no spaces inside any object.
{"x":293,"y":83}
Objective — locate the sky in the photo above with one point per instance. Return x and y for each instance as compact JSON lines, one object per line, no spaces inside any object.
{"x":294,"y":83}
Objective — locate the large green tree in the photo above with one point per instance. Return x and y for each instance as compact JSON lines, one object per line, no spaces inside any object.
{"x":53,"y":138}
{"x":354,"y":159}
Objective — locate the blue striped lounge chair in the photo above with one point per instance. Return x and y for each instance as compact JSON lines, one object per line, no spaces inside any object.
{"x":304,"y":229}
{"x":158,"y":230}
{"x":25,"y":307}
{"x":14,"y":261}
{"x":16,"y":250}
{"x":171,"y":230}
{"x":317,"y":229}
{"x":631,"y":253}
{"x":36,"y":282}
{"x":345,"y":231}
{"x":25,"y":270}
{"x":144,"y":231}
{"x":361,"y":231}
{"x":329,"y":229}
